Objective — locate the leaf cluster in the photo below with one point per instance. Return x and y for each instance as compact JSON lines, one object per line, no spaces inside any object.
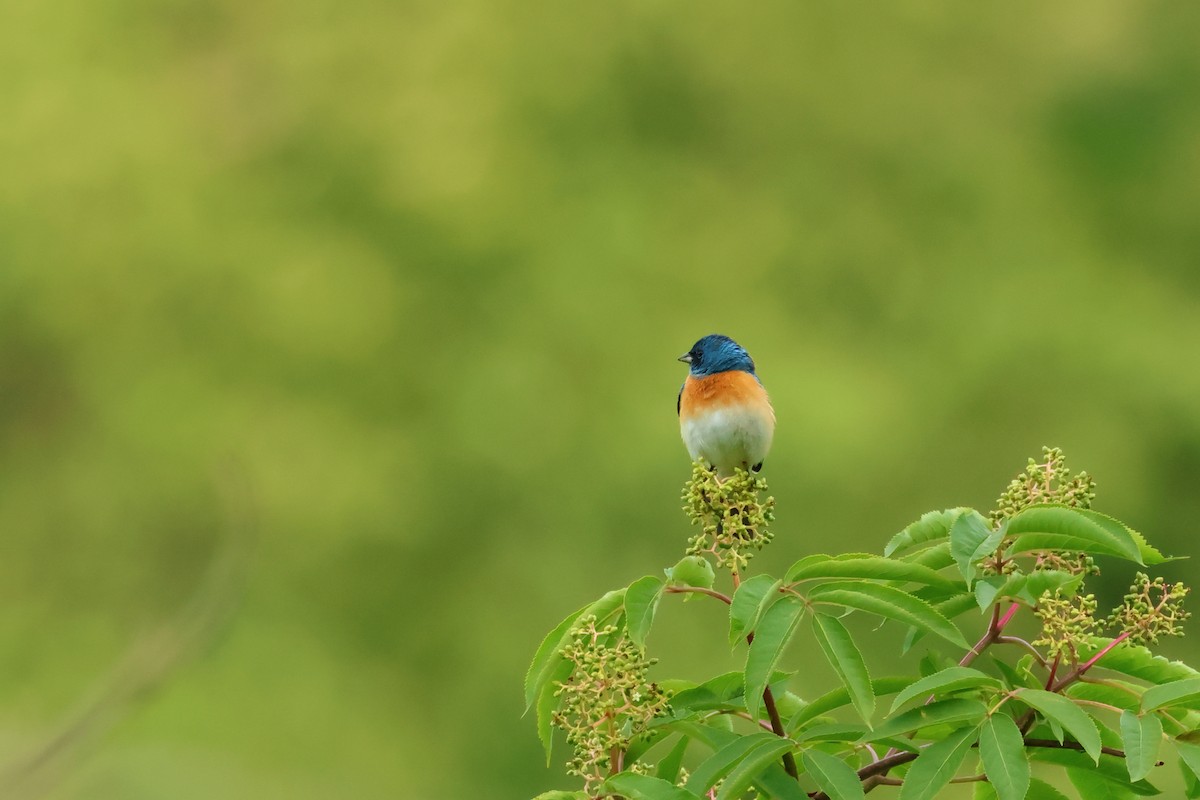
{"x":1085,"y":702}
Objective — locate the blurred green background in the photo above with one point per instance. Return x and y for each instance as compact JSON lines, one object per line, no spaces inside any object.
{"x":416,"y":273}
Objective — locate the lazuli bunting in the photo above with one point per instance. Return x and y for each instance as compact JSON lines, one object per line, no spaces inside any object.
{"x":725,"y":416}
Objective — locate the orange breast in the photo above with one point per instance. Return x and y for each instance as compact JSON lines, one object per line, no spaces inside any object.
{"x":732,"y":388}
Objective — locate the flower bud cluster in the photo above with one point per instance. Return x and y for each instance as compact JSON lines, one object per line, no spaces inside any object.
{"x":1066,"y":622}
{"x":1064,"y":561}
{"x":1153,"y":608}
{"x":731,"y":513}
{"x":1046,"y":482}
{"x":606,"y":700}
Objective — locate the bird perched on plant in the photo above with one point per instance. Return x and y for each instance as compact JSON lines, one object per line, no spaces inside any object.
{"x":725,"y":416}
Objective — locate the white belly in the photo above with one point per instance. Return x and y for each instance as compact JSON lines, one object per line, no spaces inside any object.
{"x":728,"y":437}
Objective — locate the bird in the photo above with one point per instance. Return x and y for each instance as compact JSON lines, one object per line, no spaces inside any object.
{"x":725,"y":416}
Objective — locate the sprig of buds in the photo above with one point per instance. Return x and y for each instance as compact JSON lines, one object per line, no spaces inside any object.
{"x":1153,"y":608}
{"x":1066,"y":622}
{"x":606,"y":700}
{"x":731,"y":513}
{"x":1062,"y":561}
{"x":1046,"y":482}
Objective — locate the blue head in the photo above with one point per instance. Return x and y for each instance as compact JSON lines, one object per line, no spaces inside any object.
{"x":716,"y":353}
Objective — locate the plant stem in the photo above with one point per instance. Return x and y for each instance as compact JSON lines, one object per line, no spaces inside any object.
{"x":880,"y":767}
{"x":1053,"y":671}
{"x":1022,"y":643}
{"x":871,"y":773}
{"x":991,"y":634}
{"x":789,"y":760}
{"x":1068,"y":745}
{"x":1078,"y":672}
{"x":724,"y":598}
{"x":761,"y":723}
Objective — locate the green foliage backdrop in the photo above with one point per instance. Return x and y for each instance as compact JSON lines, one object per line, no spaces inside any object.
{"x":420,"y":270}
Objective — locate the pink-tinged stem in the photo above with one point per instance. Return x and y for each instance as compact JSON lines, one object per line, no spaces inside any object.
{"x":1104,"y":651}
{"x":1091,"y":662}
{"x":1053,"y":672}
{"x":991,"y":634}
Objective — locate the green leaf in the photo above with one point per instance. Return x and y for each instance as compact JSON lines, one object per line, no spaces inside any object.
{"x":1189,"y":754}
{"x":1002,"y":749}
{"x":641,"y":601}
{"x":931,"y":527}
{"x":549,"y":654}
{"x":724,"y":692}
{"x":840,"y":697}
{"x":788,"y":703}
{"x":547,"y":702}
{"x":1093,"y":786}
{"x":713,"y":693}
{"x":1028,"y":588}
{"x":1191,"y":784}
{"x":832,"y":732}
{"x":773,"y":781}
{"x":745,"y":773}
{"x":668,"y":767}
{"x":936,"y":557}
{"x":775,"y":630}
{"x":1110,"y":695}
{"x":1136,"y":661}
{"x":1040,"y":790}
{"x":1168,"y":695}
{"x":546,"y":652}
{"x":890,"y":602}
{"x":559,"y":794}
{"x":1060,"y":528}
{"x":859,"y":565}
{"x":1056,"y":708}
{"x":644,"y":787}
{"x":983,"y":791}
{"x":1140,"y":736}
{"x":1150,"y":555}
{"x":642,"y":743}
{"x":833,"y":776}
{"x":721,"y":762}
{"x":970,"y":540}
{"x":846,"y":660}
{"x":937,"y":764}
{"x":954,"y":607}
{"x":953,"y":679}
{"x":1111,"y":768}
{"x":1017,"y":674}
{"x":954,"y":710}
{"x":750,"y":601}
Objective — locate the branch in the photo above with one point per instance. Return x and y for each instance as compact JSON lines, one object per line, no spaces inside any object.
{"x":992,"y":634}
{"x":724,"y":598}
{"x":1078,"y":672}
{"x":789,"y":758}
{"x":1022,"y":643}
{"x":730,"y":712}
{"x":875,"y":773}
{"x":1054,"y":744}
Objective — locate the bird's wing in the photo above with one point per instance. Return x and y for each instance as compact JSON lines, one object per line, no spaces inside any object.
{"x":679,"y":401}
